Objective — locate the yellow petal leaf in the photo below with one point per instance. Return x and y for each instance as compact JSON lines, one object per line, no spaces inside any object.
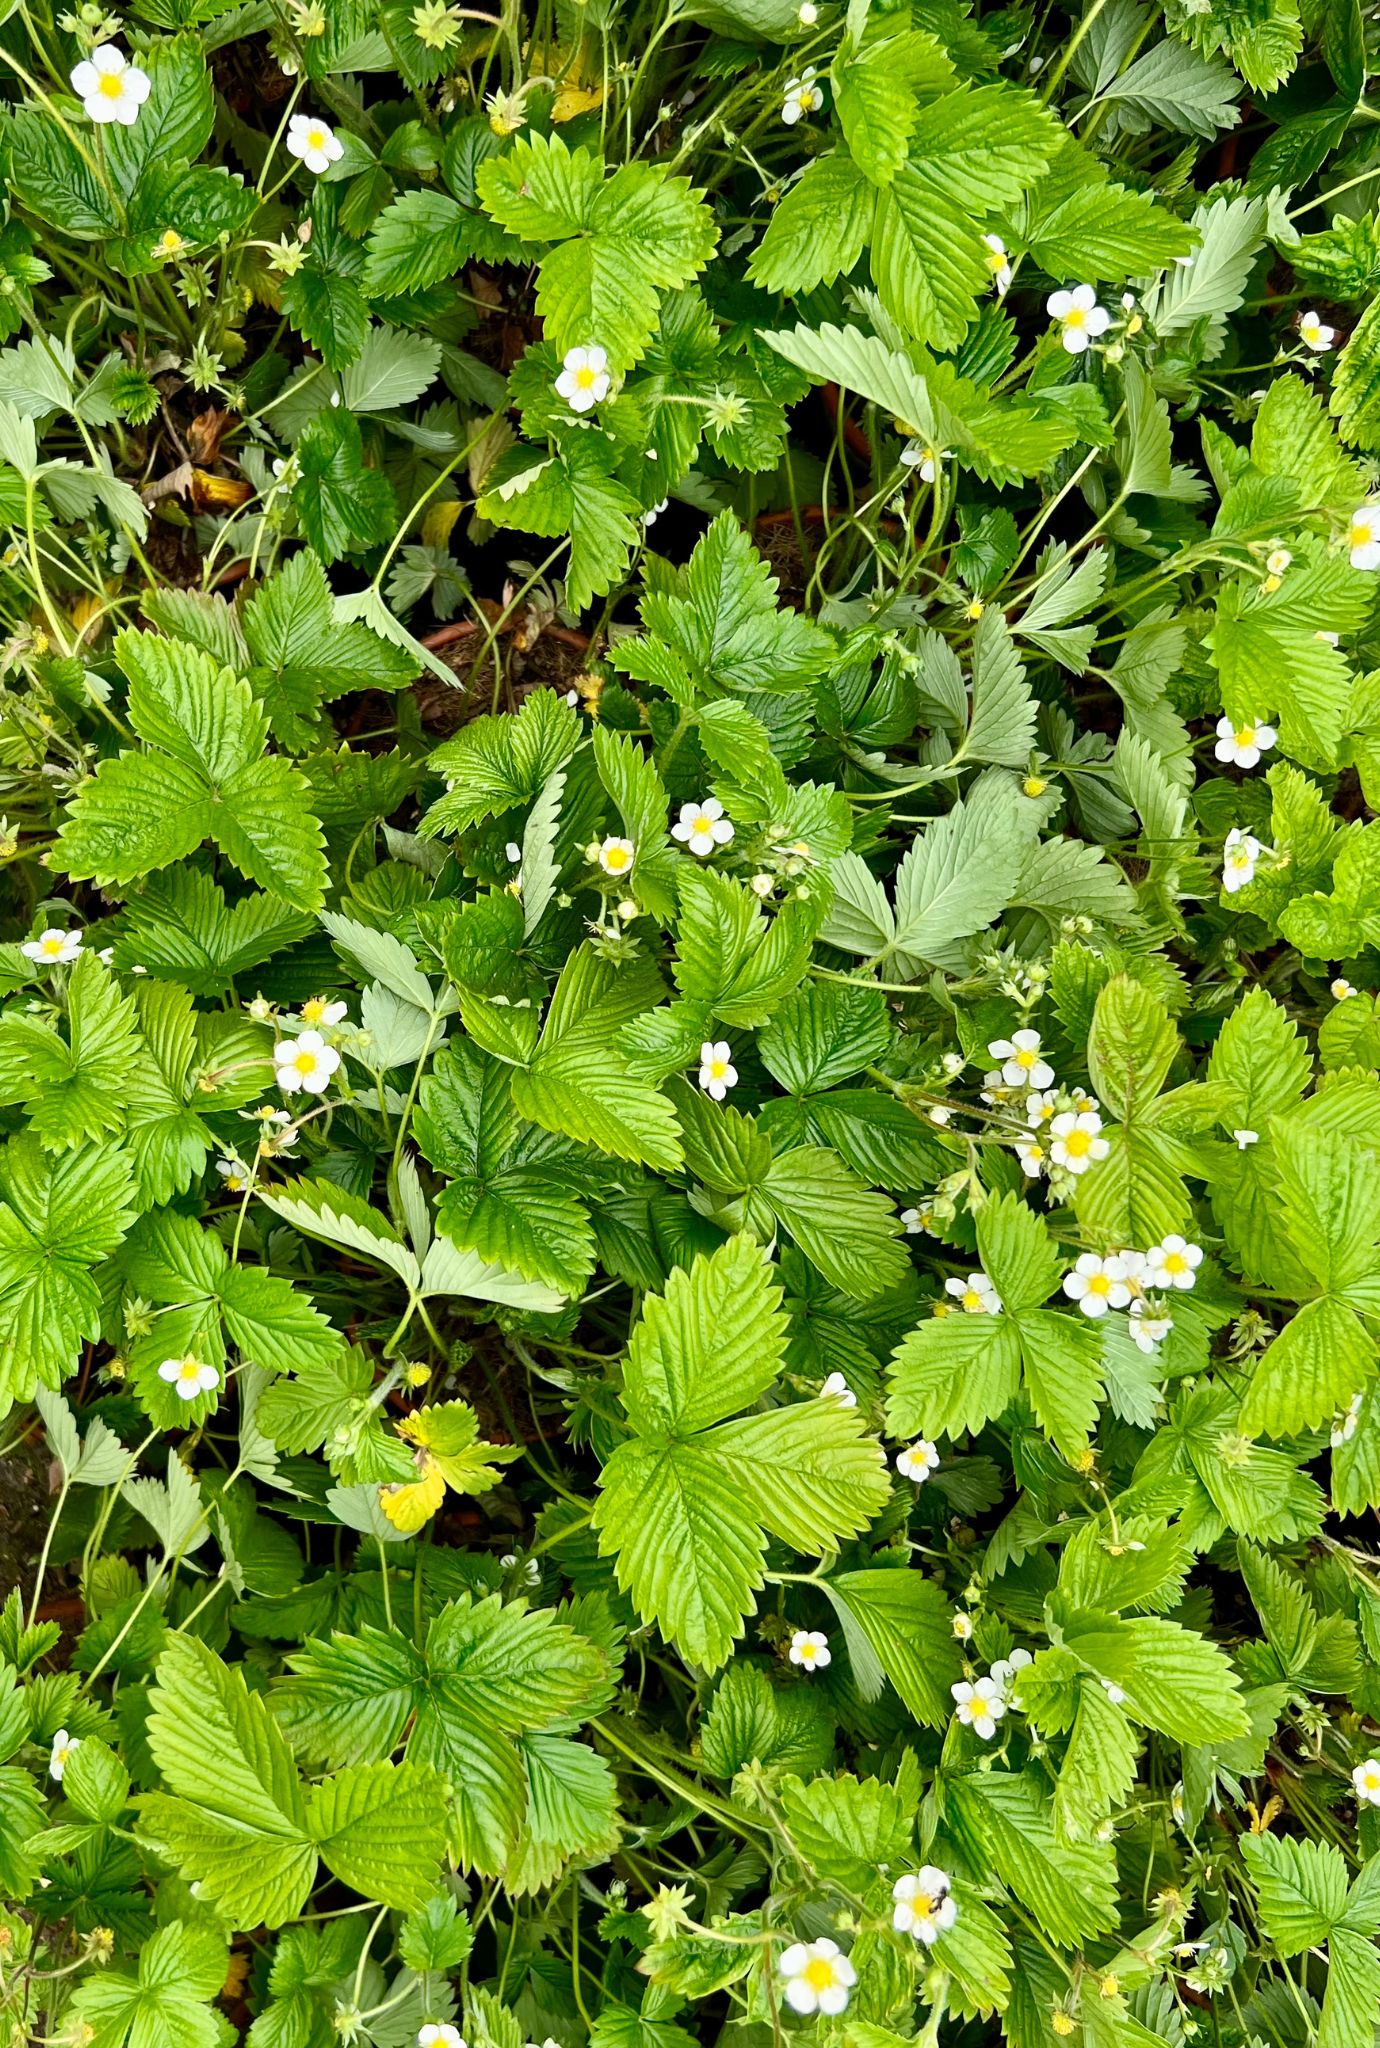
{"x":409,"y":1507}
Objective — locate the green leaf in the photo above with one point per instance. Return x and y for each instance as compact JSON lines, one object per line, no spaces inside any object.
{"x":1070,"y":1888}
{"x":1172,"y":1679}
{"x":842,"y":1828}
{"x":60,"y":1216}
{"x":204,"y":776}
{"x":686,"y":1504}
{"x":899,"y":1627}
{"x":381,"y":1828}
{"x":344,"y":505}
{"x":877,"y":93}
{"x":168,"y":2005}
{"x":1300,"y":1886}
{"x":818,"y":230}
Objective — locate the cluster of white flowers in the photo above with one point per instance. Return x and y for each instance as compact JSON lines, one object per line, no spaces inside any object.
{"x":1072,"y":1138}
{"x":1129,"y":1280}
{"x":53,"y":948}
{"x":1080,"y":318}
{"x":980,"y":1703}
{"x":922,"y":1905}
{"x":810,"y":1649}
{"x":304,"y":1063}
{"x":702,"y":827}
{"x":109,"y":87}
{"x":1243,"y":745}
{"x":817,"y":1977}
{"x":584,"y":379}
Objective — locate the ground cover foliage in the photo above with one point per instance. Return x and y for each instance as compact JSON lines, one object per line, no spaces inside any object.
{"x":690,"y":1176}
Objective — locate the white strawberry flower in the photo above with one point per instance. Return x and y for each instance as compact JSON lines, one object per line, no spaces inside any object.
{"x":584,"y":379}
{"x":1245,"y":1138}
{"x":926,"y":460}
{"x":810,"y":1649}
{"x":963,"y":1628}
{"x":917,"y":1461}
{"x":318,"y":1010}
{"x":64,"y":1748}
{"x":1344,"y":1425}
{"x":1022,"y":1066}
{"x":1041,"y":1107}
{"x":818,"y":1977}
{"x":915,"y":1220}
{"x":1074,"y":1138}
{"x":998,"y":264}
{"x":234,"y":1173}
{"x":1278,"y":560}
{"x":1174,"y":1262}
{"x":1148,"y":1327}
{"x":305,"y":1062}
{"x":1363,"y":537}
{"x":1079,"y":315}
{"x":802,"y":97}
{"x":1007,"y":1669}
{"x":1314,"y":333}
{"x":53,"y":948}
{"x":1342,"y":988}
{"x":923,"y":1907}
{"x":1097,"y":1284}
{"x":615,"y":856}
{"x":976,"y":1294}
{"x":1365,"y":1780}
{"x":109,"y":87}
{"x":189,"y":1376}
{"x":1031,"y":1154}
{"x":1243,"y":745}
{"x":313,"y":143}
{"x":837,"y":1387}
{"x":439,"y":2034}
{"x":717,"y":1071}
{"x":1240,"y":852}
{"x":702,"y":827}
{"x":979,"y":1704}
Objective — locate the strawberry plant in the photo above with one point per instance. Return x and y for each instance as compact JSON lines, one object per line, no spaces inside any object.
{"x":689,"y":1024}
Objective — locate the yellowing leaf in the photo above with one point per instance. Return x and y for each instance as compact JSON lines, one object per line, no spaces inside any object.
{"x":409,"y":1506}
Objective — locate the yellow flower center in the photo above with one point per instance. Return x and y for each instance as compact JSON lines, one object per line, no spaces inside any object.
{"x":972,"y":1299}
{"x":1099,"y":1284}
{"x":1078,"y":1144}
{"x":51,"y":948}
{"x":585,"y":379}
{"x":1245,"y":735}
{"x":316,"y":138}
{"x":304,"y":1062}
{"x":189,"y":1369}
{"x":1027,"y":1059}
{"x":616,"y":859}
{"x":313,"y":1010}
{"x":995,"y":258}
{"x":1075,"y":317}
{"x":1175,"y":1262}
{"x":819,"y":1973}
{"x":112,"y":85}
{"x":717,"y":1069}
{"x":1362,"y":533}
